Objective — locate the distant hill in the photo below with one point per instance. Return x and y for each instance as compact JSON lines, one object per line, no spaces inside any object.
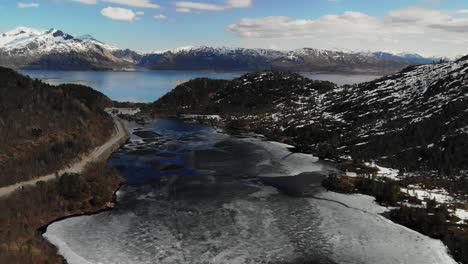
{"x":43,"y":127}
{"x":407,"y":57}
{"x":53,"y":49}
{"x":240,"y":59}
{"x":415,"y":120}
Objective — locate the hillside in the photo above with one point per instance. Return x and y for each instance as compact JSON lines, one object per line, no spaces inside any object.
{"x":43,"y":127}
{"x":414,"y":120}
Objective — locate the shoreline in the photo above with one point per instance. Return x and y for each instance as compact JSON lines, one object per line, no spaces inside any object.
{"x":109,"y":205}
{"x":130,"y":70}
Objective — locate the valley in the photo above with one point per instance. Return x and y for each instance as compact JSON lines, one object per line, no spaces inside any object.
{"x":167,"y":160}
{"x":233,"y":132}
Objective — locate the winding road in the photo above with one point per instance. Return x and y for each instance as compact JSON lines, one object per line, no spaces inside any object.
{"x":102,"y":152}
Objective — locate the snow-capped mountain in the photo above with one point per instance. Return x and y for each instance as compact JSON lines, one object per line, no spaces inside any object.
{"x":415,"y":120}
{"x":23,"y":40}
{"x":307,"y":59}
{"x":25,"y":47}
{"x":406,"y":57}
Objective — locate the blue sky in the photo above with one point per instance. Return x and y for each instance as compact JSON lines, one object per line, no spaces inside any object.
{"x":280,"y":24}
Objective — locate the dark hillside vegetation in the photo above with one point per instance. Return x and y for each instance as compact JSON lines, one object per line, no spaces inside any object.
{"x":255,"y":93}
{"x":73,"y":194}
{"x":415,"y":120}
{"x":44,"y":128}
{"x":194,"y":96}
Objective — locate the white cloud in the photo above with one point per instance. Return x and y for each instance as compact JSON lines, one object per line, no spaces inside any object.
{"x":183,"y":10}
{"x":160,"y":17}
{"x":239,"y":3}
{"x":28,"y":5}
{"x":414,"y":29}
{"x":199,"y":6}
{"x":135,"y":3}
{"x":118,"y":13}
{"x":89,"y":2}
{"x":187,"y":6}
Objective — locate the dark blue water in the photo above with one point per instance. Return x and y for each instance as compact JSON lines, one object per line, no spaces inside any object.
{"x":138,"y":86}
{"x":148,"y":86}
{"x":160,"y":150}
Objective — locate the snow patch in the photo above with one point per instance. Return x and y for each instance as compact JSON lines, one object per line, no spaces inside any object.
{"x":361,"y":235}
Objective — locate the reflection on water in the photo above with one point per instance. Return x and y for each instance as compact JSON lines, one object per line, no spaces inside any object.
{"x":148,"y":86}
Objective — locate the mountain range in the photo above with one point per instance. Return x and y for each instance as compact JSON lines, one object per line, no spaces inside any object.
{"x":53,"y":49}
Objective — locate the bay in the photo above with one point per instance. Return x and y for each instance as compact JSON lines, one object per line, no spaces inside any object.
{"x":148,"y":86}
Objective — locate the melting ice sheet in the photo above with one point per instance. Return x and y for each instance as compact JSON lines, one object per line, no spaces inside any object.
{"x":205,"y":198}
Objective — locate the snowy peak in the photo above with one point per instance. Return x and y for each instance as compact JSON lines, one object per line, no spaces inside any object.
{"x":54,"y":49}
{"x":217,"y":51}
{"x":23,"y":31}
{"x":30,"y":41}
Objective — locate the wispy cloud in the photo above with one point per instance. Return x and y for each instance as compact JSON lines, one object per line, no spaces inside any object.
{"x":160,"y":17}
{"x":28,"y":5}
{"x":135,"y":3}
{"x":89,"y":2}
{"x":117,"y":13}
{"x":425,"y":30}
{"x":188,"y":6}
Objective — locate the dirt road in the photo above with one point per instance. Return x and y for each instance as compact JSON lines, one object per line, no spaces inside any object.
{"x":102,"y":152}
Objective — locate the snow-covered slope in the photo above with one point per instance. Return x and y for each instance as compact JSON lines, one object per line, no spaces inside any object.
{"x":23,"y":40}
{"x":25,"y":47}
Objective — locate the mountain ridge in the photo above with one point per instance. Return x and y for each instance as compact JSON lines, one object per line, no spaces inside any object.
{"x":29,"y":48}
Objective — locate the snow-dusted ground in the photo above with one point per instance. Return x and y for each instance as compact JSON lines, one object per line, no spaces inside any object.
{"x":123,"y":111}
{"x":462,"y":214}
{"x":439,"y":195}
{"x":385,"y":172}
{"x":214,"y":117}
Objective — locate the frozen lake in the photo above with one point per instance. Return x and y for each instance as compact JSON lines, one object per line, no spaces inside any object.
{"x":195,"y":195}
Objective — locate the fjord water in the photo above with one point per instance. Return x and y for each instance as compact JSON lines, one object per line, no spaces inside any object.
{"x":148,"y":86}
{"x":195,"y":195}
